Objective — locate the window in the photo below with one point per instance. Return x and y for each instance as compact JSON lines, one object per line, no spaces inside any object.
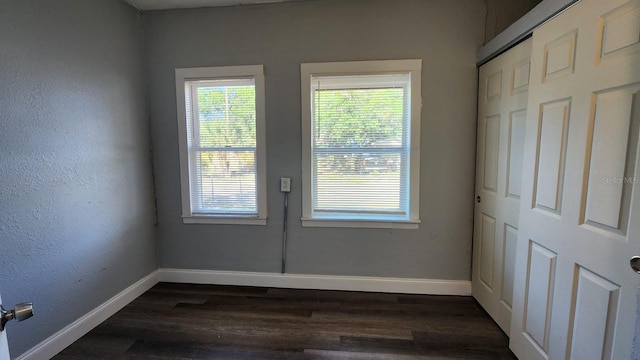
{"x":361,"y":144}
{"x":222,"y":144}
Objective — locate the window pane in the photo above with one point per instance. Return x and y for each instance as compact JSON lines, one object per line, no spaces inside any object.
{"x":227,"y":115}
{"x":359,"y":148}
{"x":226,"y":181}
{"x":358,"y":117}
{"x":362,"y":182}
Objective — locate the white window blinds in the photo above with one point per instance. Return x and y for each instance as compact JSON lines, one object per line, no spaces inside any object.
{"x":221,"y":142}
{"x":360,"y":146}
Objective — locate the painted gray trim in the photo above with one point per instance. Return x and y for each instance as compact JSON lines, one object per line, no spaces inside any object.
{"x":522,"y":29}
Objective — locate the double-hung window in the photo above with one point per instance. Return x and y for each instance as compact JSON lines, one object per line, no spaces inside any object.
{"x":361,"y":143}
{"x":222,"y":144}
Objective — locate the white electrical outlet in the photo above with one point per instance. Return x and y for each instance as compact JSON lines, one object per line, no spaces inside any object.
{"x":285,"y":184}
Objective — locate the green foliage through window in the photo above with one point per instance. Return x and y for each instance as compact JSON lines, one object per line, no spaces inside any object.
{"x":358,"y":117}
{"x":227,"y":116}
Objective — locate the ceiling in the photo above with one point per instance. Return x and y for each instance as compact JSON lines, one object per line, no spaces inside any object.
{"x":183,"y":4}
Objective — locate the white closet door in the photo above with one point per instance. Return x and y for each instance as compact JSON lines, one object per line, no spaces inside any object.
{"x":575,"y":294}
{"x":502,"y":109}
{"x":4,"y":345}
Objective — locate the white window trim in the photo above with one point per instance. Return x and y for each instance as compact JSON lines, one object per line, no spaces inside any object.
{"x":307,"y":71}
{"x":212,"y":73}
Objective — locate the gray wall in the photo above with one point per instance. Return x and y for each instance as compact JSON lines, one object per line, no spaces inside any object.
{"x":76,"y":206}
{"x":502,"y":13}
{"x":444,"y":33}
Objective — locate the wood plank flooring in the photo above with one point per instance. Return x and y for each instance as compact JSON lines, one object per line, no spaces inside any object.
{"x":184,"y":321}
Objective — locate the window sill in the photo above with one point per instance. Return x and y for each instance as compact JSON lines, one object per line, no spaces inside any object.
{"x":365,"y":224}
{"x":222,"y":220}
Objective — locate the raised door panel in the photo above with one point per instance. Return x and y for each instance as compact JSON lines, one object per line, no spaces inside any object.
{"x":494,"y":86}
{"x":620,"y":31}
{"x":539,"y":294}
{"x":559,"y":57}
{"x":520,"y":76}
{"x":595,"y":305}
{"x":552,"y":141}
{"x":515,"y":152}
{"x":487,"y":250}
{"x":491,"y":152}
{"x":509,"y":259}
{"x":610,"y":162}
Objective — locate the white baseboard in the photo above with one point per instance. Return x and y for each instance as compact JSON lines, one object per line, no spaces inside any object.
{"x":320,"y":282}
{"x":74,"y":331}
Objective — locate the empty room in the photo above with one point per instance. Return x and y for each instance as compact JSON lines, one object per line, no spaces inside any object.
{"x":319,"y":179}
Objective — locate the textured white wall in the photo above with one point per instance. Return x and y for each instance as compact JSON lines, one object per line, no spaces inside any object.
{"x":76,"y":208}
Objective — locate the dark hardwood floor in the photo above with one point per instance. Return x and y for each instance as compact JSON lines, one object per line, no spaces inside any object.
{"x":181,"y":321}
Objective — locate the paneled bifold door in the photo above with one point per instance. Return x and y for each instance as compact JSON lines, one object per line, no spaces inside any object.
{"x":575,"y":295}
{"x":502,"y":110}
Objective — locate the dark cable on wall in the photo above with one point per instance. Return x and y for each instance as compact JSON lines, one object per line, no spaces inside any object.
{"x":284,"y":232}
